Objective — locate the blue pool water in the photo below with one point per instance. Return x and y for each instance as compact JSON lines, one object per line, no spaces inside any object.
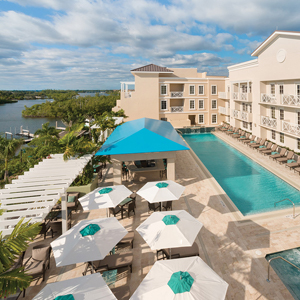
{"x":252,"y":188}
{"x":289,"y":275}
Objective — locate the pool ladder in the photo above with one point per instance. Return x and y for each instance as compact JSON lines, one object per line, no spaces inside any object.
{"x":294,"y":216}
{"x":279,"y":257}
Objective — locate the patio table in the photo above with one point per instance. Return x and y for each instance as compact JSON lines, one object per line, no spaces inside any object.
{"x":123,"y":203}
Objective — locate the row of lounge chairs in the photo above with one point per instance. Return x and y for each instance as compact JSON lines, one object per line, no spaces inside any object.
{"x":275,"y":152}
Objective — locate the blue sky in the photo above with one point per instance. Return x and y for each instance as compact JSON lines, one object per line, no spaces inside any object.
{"x":93,"y":44}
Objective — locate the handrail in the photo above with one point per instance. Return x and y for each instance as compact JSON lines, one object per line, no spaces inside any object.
{"x":294,"y":216}
{"x":179,"y":131}
{"x":278,"y":257}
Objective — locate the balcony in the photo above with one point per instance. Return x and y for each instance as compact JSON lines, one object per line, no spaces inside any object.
{"x":223,"y":95}
{"x":292,"y":100}
{"x":127,"y":94}
{"x":269,"y":99}
{"x":235,"y":96}
{"x":245,"y":97}
{"x":268,"y":122}
{"x":176,"y":94}
{"x":235,"y":113}
{"x":223,"y":110}
{"x":291,"y":128}
{"x":176,"y":109}
{"x":242,"y":115}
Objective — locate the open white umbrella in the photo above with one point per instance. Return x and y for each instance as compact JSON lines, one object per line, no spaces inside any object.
{"x":170,"y":229}
{"x":181,"y":279}
{"x":90,"y":287}
{"x":158,"y":191}
{"x":88,"y":240}
{"x":104,"y":197}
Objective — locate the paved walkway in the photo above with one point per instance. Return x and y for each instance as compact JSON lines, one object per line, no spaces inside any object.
{"x":234,"y":249}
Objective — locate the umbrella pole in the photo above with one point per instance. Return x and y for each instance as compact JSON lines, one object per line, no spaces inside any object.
{"x":170,"y":253}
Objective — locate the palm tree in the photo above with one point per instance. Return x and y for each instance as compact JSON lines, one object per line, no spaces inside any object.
{"x":47,"y":134}
{"x":10,"y":249}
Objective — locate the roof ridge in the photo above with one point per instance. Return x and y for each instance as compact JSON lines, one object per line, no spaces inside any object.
{"x":152,"y":68}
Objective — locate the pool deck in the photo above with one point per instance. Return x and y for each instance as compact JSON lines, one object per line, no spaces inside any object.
{"x":234,"y":248}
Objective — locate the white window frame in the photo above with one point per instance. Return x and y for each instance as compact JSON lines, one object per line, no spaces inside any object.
{"x":216,"y":89}
{"x":272,"y":83}
{"x":199,"y":104}
{"x":212,"y":104}
{"x":199,"y":89}
{"x":273,"y":108}
{"x":216,"y":118}
{"x":279,"y":85}
{"x":273,"y":131}
{"x":199,"y":119}
{"x":190,"y":101}
{"x":298,"y":144}
{"x":163,"y":100}
{"x":166,"y":89}
{"x":190,"y":89}
{"x":280,"y":110}
{"x":281,"y":135}
{"x":296,"y":85}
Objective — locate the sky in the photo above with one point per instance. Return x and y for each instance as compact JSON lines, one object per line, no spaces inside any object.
{"x":93,"y":44}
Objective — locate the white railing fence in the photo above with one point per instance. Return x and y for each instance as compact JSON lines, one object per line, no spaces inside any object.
{"x":235,"y":96}
{"x":290,"y":128}
{"x":269,"y":122}
{"x":265,"y":98}
{"x":176,"y":109}
{"x":176,"y":94}
{"x":290,"y":100}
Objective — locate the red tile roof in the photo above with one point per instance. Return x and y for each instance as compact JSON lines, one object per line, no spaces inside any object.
{"x":152,"y":68}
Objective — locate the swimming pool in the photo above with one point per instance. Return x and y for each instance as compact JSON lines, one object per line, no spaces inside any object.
{"x":252,"y":188}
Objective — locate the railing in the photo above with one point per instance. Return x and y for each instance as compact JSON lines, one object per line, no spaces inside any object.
{"x":244,"y":116}
{"x":265,"y":98}
{"x":127,"y":94}
{"x":294,"y":215}
{"x":290,"y":100}
{"x":223,"y":110}
{"x":235,"y":96}
{"x":246,"y":97}
{"x":176,"y":94}
{"x":269,"y":122}
{"x":176,"y":109}
{"x":279,"y":257}
{"x":290,"y":128}
{"x":223,"y":95}
{"x":235,"y":113}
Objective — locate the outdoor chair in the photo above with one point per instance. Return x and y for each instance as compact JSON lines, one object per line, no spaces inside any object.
{"x":115,"y":211}
{"x":259,"y":142}
{"x":244,"y":137}
{"x":297,"y":170}
{"x":278,"y":155}
{"x":56,"y":227}
{"x":289,"y":156}
{"x":247,"y":141}
{"x":121,"y":292}
{"x":154,"y":207}
{"x":269,"y":151}
{"x":236,"y":136}
{"x":110,"y":262}
{"x":45,"y":227}
{"x":293,"y":164}
{"x":127,"y":239}
{"x":131,"y":208}
{"x":179,"y":252}
{"x":231,"y":130}
{"x":133,"y":197}
{"x":72,"y":201}
{"x":265,"y":147}
{"x":225,"y":127}
{"x":167,"y":205}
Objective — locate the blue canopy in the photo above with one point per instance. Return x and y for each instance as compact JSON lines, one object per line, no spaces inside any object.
{"x":143,"y":136}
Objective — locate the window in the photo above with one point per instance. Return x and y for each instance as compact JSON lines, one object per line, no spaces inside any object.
{"x":192,"y":90}
{"x":281,"y":137}
{"x":192,"y":104}
{"x":273,"y":112}
{"x":273,"y":135}
{"x":250,"y":108}
{"x":228,"y":119}
{"x":298,"y":143}
{"x":250,"y":88}
{"x":245,"y":125}
{"x":214,"y":90}
{"x":163,"y":89}
{"x":164,"y":119}
{"x":244,"y":108}
{"x":201,"y":119}
{"x":272,"y":89}
{"x":214,"y":119}
{"x":281,"y":114}
{"x":281,"y":89}
{"x":201,"y":104}
{"x":298,"y":119}
{"x":163,"y":104}
{"x":228,"y":89}
{"x":244,"y":88}
{"x":250,"y":126}
{"x":214,"y":104}
{"x":298,"y":89}
{"x":201,"y":89}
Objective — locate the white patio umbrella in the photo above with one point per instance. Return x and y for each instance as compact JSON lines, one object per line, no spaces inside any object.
{"x":104,"y":197}
{"x":158,"y":191}
{"x":90,"y":287}
{"x":181,"y":279}
{"x":88,"y":240}
{"x":170,"y":229}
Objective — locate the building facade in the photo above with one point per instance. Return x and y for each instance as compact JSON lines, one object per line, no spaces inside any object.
{"x":263,"y":95}
{"x":181,"y":96}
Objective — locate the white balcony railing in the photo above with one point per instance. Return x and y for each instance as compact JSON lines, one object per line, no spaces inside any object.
{"x":223,"y":110}
{"x":223,"y":95}
{"x":244,"y":116}
{"x":176,"y":94}
{"x":175,"y":109}
{"x":290,"y":128}
{"x":127,"y":94}
{"x":269,"y":122}
{"x":246,"y":97}
{"x":235,"y":113}
{"x":235,"y":96}
{"x":265,"y":98}
{"x":293,"y":100}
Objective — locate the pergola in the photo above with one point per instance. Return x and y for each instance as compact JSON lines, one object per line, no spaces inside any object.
{"x":143,"y":139}
{"x":33,"y":194}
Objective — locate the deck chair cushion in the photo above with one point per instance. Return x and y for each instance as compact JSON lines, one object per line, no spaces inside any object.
{"x":40,"y":253}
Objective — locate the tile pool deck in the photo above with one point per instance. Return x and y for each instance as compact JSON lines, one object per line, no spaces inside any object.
{"x":234,"y":248}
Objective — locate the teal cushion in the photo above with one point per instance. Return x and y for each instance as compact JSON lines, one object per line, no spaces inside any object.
{"x":162,"y":185}
{"x":65,"y":297}
{"x":90,"y":229}
{"x":71,"y":199}
{"x":252,"y":142}
{"x":181,"y":282}
{"x":242,"y":136}
{"x":170,"y":219}
{"x":262,"y":146}
{"x":291,"y":161}
{"x":273,"y":153}
{"x":105,"y":191}
{"x":235,"y":133}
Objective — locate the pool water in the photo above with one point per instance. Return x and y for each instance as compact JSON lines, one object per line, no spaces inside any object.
{"x":252,"y":188}
{"x":289,"y":275}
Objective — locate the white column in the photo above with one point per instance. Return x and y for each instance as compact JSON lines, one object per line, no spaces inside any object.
{"x":171,"y":169}
{"x":117,"y":171}
{"x":64,"y":214}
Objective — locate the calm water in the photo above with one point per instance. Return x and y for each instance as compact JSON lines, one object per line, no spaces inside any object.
{"x":252,"y":188}
{"x":91,"y":94}
{"x":11,"y":117}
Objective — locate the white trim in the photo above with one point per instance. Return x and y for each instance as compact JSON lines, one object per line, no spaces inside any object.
{"x":153,"y":72}
{"x":187,"y":97}
{"x":190,"y":104}
{"x":243,"y":65}
{"x":203,"y":89}
{"x":199,"y":104}
{"x":166,"y":90}
{"x":211,"y":90}
{"x":161,"y":109}
{"x":212,"y":103}
{"x":190,"y":78}
{"x":203,"y":119}
{"x":190,"y":85}
{"x":212,"y":118}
